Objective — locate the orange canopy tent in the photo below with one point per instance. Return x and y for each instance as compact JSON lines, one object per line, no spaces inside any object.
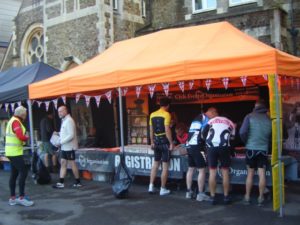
{"x":190,"y":53}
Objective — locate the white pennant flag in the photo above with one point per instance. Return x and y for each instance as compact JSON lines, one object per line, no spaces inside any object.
{"x":87,"y":100}
{"x":191,"y":84}
{"x":225,"y":81}
{"x":19,"y":103}
{"x":181,"y":85}
{"x":0,"y":106}
{"x":108,"y":96}
{"x":64,"y":99}
{"x":98,"y":99}
{"x":244,"y":80}
{"x":124,"y":91}
{"x":208,"y":84}
{"x":138,"y":91}
{"x":265,"y":77}
{"x":77,"y":97}
{"x":55,"y":103}
{"x":32,"y":102}
{"x":166,"y":88}
{"x":12,"y":105}
{"x":151,"y":88}
{"x":6,"y":106}
{"x":47,"y":103}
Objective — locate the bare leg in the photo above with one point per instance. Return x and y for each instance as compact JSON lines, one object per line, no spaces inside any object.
{"x":212,"y":182}
{"x":249,"y":182}
{"x":46,"y":160}
{"x":74,"y":169}
{"x":225,"y":173}
{"x":262,"y":181}
{"x":201,"y":180}
{"x":63,"y":168}
{"x":154,"y":171}
{"x":189,"y":177}
{"x":164,"y":174}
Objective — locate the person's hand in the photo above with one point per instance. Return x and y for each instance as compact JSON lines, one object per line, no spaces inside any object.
{"x":171,"y":147}
{"x":152,"y":146}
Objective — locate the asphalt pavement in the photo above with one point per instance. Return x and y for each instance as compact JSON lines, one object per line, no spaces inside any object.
{"x":94,"y":204}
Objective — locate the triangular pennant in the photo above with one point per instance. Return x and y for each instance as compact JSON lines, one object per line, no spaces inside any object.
{"x":166,"y":88}
{"x":0,"y":106}
{"x":151,"y":88}
{"x":124,"y":91}
{"x":265,"y":76}
{"x":98,"y":99}
{"x":225,"y":81}
{"x":191,"y":84}
{"x":181,"y":85}
{"x":47,"y":103}
{"x":292,"y":82}
{"x":138,"y":91}
{"x":39,"y":103}
{"x":32,"y":102}
{"x":19,"y":103}
{"x":12,"y":105}
{"x":285,"y":80}
{"x":108,"y":96}
{"x":64,"y":99}
{"x":244,"y":80}
{"x":6,"y":106}
{"x":87,"y":100}
{"x":55,"y":103}
{"x":77,"y":97}
{"x":208,"y":84}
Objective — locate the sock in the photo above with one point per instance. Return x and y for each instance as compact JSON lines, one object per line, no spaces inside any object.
{"x":78,"y":181}
{"x":61,"y":180}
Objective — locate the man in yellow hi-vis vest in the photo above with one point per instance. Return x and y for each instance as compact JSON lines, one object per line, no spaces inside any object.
{"x":14,"y":140}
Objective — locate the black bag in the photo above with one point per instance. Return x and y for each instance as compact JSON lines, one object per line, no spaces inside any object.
{"x":122,"y":180}
{"x":40,"y":173}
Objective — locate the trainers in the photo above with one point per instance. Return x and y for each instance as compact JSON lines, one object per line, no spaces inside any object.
{"x":212,"y":200}
{"x":227,"y":200}
{"x":260,"y":201}
{"x":189,"y":194}
{"x":24,"y":201}
{"x":202,"y":197}
{"x":151,"y":189}
{"x":246,"y":201}
{"x":12,"y":201}
{"x":164,"y":191}
{"x":58,"y":185}
{"x":77,"y":185}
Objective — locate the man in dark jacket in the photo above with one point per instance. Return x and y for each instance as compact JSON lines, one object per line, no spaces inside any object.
{"x":256,"y":132}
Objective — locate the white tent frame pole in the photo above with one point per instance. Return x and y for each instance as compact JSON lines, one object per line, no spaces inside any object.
{"x":121,"y":119}
{"x":30,"y":124}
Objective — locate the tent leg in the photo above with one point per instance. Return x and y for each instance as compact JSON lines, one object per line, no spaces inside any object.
{"x":30,"y":124}
{"x":121,"y":120}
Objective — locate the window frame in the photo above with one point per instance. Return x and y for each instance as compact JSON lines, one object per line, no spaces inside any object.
{"x":115,"y":4}
{"x":143,"y":8}
{"x":203,"y":9}
{"x":242,"y":2}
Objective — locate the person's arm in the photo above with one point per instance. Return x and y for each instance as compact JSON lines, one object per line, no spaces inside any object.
{"x":169,"y":136}
{"x":151,"y":137}
{"x":70,"y":126}
{"x":17,"y":129}
{"x":244,"y":130}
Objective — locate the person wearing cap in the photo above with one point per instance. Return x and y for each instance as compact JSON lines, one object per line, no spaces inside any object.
{"x":14,"y":141}
{"x":161,"y":143}
{"x":256,"y":133}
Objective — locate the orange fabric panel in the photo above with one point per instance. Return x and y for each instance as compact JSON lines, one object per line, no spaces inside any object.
{"x":190,"y":53}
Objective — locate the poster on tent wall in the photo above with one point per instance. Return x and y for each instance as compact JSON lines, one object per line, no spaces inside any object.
{"x":291,"y":119}
{"x":82,"y":116}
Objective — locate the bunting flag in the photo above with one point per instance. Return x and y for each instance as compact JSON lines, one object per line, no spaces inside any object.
{"x":191,"y":84}
{"x":12,"y":106}
{"x":265,"y":77}
{"x":0,"y":106}
{"x":87,"y":100}
{"x":225,"y":81}
{"x":298,"y":83}
{"x":124,"y":91}
{"x":208,"y":84}
{"x":39,"y":103}
{"x":77,"y":97}
{"x":6,"y":106}
{"x":151,"y":88}
{"x":55,"y":103}
{"x":108,"y":96}
{"x":166,"y":88}
{"x":98,"y":99}
{"x":19,"y":104}
{"x":181,"y":85}
{"x":285,"y":80}
{"x":292,"y":82}
{"x":244,"y":80}
{"x":65,"y":99}
{"x":47,"y":103}
{"x":138,"y":91}
{"x":32,"y":102}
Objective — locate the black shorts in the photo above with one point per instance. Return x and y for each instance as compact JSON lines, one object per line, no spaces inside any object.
{"x":216,"y":154}
{"x":67,"y":155}
{"x":162,"y":153}
{"x":256,"y":159}
{"x":195,"y":157}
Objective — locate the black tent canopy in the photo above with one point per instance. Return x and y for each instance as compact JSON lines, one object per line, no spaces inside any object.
{"x":14,"y":81}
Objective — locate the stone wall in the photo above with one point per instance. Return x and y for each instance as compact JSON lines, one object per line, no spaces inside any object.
{"x":76,"y":37}
{"x":2,"y":54}
{"x":86,"y":3}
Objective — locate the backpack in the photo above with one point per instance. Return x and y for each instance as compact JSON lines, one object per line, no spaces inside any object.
{"x":40,"y":173}
{"x":122,"y":180}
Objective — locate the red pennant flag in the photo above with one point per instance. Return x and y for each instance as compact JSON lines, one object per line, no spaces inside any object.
{"x":138,"y":91}
{"x":191,"y":84}
{"x":244,"y":80}
{"x":98,"y":99}
{"x":208,"y":84}
{"x":108,"y":96}
{"x":151,"y":88}
{"x":181,"y":85}
{"x":225,"y":81}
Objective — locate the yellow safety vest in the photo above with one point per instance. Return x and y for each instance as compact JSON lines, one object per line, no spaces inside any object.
{"x":13,"y":145}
